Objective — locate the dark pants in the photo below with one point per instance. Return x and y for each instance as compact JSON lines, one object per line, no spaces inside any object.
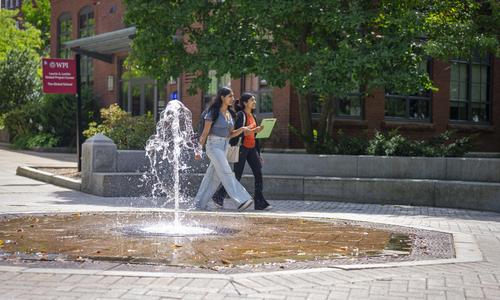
{"x":253,"y":158}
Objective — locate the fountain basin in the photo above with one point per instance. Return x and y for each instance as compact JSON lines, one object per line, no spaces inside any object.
{"x":223,"y":240}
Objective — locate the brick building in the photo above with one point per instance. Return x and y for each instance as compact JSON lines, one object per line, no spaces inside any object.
{"x":468,"y":99}
{"x":11,"y":4}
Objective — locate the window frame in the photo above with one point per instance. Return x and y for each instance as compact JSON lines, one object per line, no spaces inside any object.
{"x":469,"y":62}
{"x":220,"y":82}
{"x":86,"y":11}
{"x":409,"y":98}
{"x":65,"y":16}
{"x":361,"y":116}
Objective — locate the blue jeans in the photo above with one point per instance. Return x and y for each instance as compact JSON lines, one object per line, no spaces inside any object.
{"x":219,"y":172}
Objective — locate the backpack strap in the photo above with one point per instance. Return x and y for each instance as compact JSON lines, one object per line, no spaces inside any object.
{"x":244,"y":115}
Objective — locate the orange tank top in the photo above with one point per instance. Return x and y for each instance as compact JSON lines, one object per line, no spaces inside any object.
{"x":249,"y":140}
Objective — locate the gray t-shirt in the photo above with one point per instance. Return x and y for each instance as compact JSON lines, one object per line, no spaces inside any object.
{"x":221,"y":127}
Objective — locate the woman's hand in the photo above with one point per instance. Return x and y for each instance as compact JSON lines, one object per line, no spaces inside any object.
{"x":197,"y":157}
{"x":259,"y":129}
{"x":246,"y":129}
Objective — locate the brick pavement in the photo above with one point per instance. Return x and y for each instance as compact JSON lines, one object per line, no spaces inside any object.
{"x":459,"y":280}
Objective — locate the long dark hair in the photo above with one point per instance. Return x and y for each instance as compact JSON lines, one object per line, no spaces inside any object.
{"x":216,"y":104}
{"x":243,"y":101}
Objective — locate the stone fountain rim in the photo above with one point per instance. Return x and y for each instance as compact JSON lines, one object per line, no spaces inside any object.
{"x":465,"y":247}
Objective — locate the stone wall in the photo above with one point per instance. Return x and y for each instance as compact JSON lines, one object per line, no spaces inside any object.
{"x":472,"y":183}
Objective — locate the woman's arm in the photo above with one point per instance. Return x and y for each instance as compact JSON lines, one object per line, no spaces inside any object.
{"x":254,"y":130}
{"x":206,"y":131}
{"x":238,"y":131}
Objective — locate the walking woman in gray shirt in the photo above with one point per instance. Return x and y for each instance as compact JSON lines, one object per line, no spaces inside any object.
{"x":218,"y":129}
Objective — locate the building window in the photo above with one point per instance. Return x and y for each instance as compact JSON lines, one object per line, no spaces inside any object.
{"x":86,"y":25}
{"x":415,"y":107}
{"x":470,"y":90}
{"x":350,"y":106}
{"x":215,"y":84}
{"x":86,"y":22}
{"x":64,"y":30}
{"x":263,"y":93}
{"x":86,"y":71}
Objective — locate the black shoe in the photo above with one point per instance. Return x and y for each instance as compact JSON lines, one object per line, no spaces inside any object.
{"x":219,"y":203}
{"x":269,"y":207}
{"x":245,"y":205}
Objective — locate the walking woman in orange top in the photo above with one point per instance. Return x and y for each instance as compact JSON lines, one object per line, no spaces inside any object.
{"x":249,"y":151}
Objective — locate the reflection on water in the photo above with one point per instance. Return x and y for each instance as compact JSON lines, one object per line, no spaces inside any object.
{"x":226,"y":240}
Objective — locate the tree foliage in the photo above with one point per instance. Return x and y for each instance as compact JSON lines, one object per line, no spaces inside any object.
{"x":37,"y":13}
{"x":19,"y":79}
{"x":12,"y":37}
{"x":322,"y":47}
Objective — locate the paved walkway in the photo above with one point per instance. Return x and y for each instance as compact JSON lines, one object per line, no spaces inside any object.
{"x":471,"y":280}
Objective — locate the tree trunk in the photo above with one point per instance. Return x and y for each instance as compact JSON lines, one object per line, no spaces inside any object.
{"x":331,"y":116}
{"x":306,"y":121}
{"x":324,"y":120}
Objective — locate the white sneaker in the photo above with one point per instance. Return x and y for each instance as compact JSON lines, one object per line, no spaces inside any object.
{"x":245,"y":205}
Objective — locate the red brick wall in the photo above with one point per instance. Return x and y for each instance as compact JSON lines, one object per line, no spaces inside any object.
{"x":488,"y":138}
{"x":105,"y":21}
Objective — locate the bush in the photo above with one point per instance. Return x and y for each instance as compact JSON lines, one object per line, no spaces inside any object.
{"x":394,"y":144}
{"x":24,"y":120}
{"x":58,"y":115}
{"x":30,"y":141}
{"x":19,"y":79}
{"x":53,"y":114}
{"x":126,"y":131}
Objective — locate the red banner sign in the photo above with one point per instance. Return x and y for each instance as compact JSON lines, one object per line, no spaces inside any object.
{"x":59,"y":76}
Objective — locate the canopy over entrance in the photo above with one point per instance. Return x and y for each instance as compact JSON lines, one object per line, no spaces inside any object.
{"x":103,"y":46}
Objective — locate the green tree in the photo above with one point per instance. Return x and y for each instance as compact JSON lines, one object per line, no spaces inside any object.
{"x":326,"y":48}
{"x":19,"y":79}
{"x":37,"y":13}
{"x":12,"y":37}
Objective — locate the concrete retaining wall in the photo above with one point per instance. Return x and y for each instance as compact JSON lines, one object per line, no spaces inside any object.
{"x":472,"y":183}
{"x":439,"y":168}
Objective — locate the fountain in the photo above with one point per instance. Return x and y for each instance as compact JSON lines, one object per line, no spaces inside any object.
{"x":168,"y":151}
{"x":222,"y":240}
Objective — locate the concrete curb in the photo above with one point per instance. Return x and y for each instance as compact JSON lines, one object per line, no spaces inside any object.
{"x":33,"y":173}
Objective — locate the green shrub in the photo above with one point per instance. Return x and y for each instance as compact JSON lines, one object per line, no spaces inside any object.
{"x":19,"y":79}
{"x":24,"y":120}
{"x":52,"y":114}
{"x":393,"y":144}
{"x":350,"y":145}
{"x":58,"y":115}
{"x":30,"y":141}
{"x":126,"y":131}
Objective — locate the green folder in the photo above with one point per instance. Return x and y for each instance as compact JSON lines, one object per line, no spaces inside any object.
{"x":268,"y":128}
